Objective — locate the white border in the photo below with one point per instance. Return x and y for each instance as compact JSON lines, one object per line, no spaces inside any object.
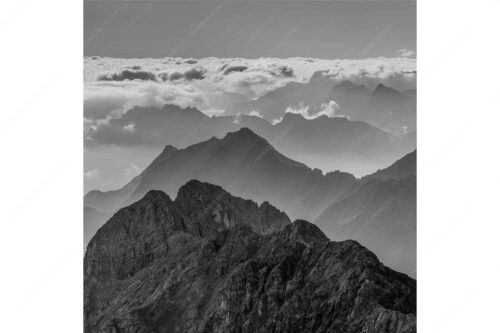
{"x":41,"y":245}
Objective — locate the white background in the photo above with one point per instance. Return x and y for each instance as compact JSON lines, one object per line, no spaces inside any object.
{"x":41,"y":246}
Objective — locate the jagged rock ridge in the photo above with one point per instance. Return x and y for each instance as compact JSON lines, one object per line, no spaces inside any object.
{"x":196,"y":265}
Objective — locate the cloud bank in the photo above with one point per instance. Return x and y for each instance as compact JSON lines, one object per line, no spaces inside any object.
{"x":113,"y":86}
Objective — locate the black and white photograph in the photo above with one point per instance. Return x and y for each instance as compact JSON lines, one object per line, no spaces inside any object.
{"x":248,"y":166}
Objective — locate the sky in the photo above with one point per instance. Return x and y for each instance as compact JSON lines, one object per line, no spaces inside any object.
{"x":250,"y":29}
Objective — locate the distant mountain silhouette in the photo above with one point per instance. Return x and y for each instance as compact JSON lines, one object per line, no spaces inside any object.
{"x":325,"y":143}
{"x":402,"y":168}
{"x":197,"y":264}
{"x":380,"y":214}
{"x":371,"y":210}
{"x":273,"y":104}
{"x":383,"y":107}
{"x":241,"y":162}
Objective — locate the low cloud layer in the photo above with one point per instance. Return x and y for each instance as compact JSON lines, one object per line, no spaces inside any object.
{"x":113,"y":86}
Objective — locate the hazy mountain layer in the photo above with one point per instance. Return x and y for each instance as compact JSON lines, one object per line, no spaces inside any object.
{"x":242,"y":163}
{"x":381,"y":215}
{"x":327,"y":143}
{"x":196,"y":265}
{"x":402,"y":168}
{"x":391,"y":110}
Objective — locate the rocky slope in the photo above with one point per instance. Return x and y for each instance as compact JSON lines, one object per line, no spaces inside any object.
{"x":197,"y":264}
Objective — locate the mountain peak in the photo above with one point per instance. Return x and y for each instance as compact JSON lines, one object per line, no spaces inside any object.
{"x":305,"y":232}
{"x":244,"y":131}
{"x":169,"y":149}
{"x":197,"y":188}
{"x":155,"y":196}
{"x":383,"y":89}
{"x":290,"y":116}
{"x":243,"y":136}
{"x":345,"y":84}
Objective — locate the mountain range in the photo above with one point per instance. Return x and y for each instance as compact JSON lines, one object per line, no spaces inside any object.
{"x":370,"y":210}
{"x":211,"y":262}
{"x":402,"y":168}
{"x":381,"y":214}
{"x":241,"y":162}
{"x":384,"y":107}
{"x":326,"y":143}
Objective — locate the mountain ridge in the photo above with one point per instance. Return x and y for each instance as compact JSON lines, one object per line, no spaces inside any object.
{"x":242,"y":161}
{"x":248,"y":166}
{"x":327,"y":143}
{"x":150,"y":268}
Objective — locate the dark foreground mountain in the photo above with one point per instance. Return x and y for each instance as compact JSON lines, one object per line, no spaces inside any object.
{"x":327,"y":143}
{"x":197,"y":264}
{"x":244,"y":164}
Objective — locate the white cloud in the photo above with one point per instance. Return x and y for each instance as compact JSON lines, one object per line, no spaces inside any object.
{"x":94,"y":173}
{"x":277,"y":120}
{"x":237,"y":119}
{"x":129,"y":128}
{"x":255,"y":114}
{"x":406,"y":53}
{"x":211,"y":84}
{"x":329,"y":109}
{"x":300,"y":109}
{"x":107,"y":99}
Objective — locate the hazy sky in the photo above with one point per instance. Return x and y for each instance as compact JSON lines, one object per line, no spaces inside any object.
{"x":250,"y":29}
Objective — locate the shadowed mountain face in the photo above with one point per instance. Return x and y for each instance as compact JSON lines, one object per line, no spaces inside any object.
{"x":197,"y":264}
{"x":383,"y":107}
{"x":381,"y":215}
{"x":242,"y":163}
{"x":325,"y":143}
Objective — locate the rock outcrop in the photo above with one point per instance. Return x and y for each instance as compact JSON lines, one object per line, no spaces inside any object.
{"x":210,"y":262}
